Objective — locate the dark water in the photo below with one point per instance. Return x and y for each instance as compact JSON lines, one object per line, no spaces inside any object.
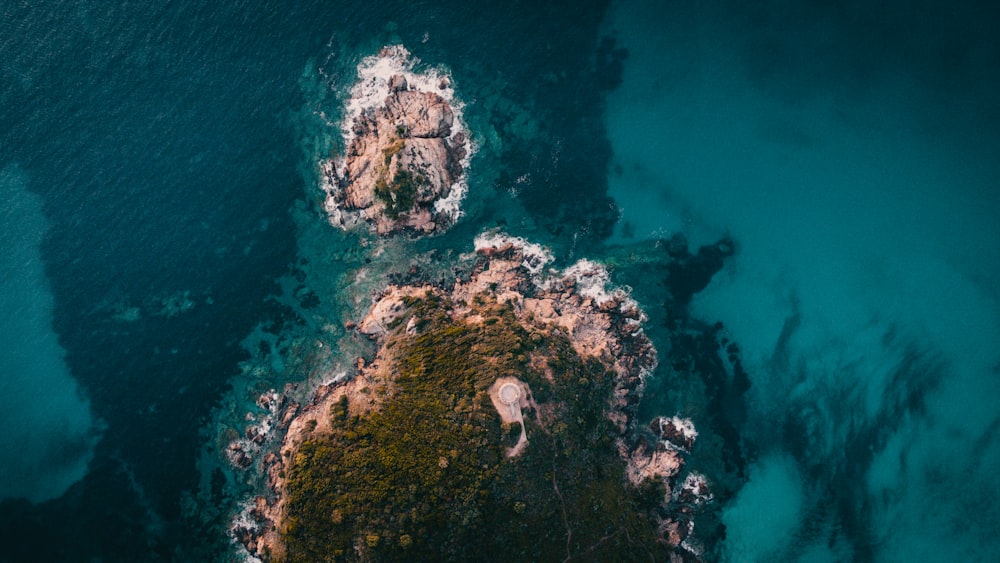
{"x":161,"y":143}
{"x":151,"y":157}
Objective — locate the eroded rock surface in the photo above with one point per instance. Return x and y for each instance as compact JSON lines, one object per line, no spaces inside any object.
{"x":405,"y":157}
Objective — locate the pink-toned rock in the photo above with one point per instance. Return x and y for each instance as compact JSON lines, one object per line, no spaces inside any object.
{"x":401,"y":160}
{"x":599,"y":322}
{"x":290,"y":412}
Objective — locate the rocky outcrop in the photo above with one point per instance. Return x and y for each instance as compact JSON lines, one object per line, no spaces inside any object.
{"x":599,"y":322}
{"x":405,"y":157}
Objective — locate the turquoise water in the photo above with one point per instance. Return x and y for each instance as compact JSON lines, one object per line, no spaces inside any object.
{"x":166,"y":259}
{"x":856,"y":166}
{"x":49,"y":427}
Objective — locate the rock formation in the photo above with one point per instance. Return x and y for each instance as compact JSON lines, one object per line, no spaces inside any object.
{"x":581,"y":348}
{"x":405,"y":156}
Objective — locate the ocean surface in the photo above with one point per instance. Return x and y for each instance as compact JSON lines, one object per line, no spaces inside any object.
{"x":165,"y":259}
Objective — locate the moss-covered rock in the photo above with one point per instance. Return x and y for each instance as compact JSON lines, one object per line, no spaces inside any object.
{"x":383,"y":475}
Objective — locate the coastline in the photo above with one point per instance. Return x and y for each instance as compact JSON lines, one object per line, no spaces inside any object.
{"x":381,"y":79}
{"x":599,"y":324}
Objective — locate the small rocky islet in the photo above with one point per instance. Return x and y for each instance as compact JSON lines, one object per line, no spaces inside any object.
{"x":406,"y":154}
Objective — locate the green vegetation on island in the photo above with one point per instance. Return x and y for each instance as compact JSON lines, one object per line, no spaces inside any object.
{"x":399,"y":195}
{"x":425,"y":477}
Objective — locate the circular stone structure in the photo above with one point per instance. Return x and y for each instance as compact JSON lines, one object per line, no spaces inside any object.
{"x":510,"y":393}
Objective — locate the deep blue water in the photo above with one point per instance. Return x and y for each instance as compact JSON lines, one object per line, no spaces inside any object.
{"x":163,"y":145}
{"x":157,"y":169}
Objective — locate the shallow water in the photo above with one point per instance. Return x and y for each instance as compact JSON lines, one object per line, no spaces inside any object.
{"x":857,"y":173}
{"x":50,"y":432}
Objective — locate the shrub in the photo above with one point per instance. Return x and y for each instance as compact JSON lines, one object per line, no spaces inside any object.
{"x":431,"y":460}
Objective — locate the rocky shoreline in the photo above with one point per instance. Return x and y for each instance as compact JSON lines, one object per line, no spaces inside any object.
{"x":406,"y":154}
{"x":600,"y":323}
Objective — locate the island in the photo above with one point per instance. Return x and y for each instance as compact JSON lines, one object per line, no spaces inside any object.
{"x":497,"y":420}
{"x":406,"y":151}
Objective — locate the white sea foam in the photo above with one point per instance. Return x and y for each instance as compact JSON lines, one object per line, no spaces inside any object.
{"x":367,"y":95}
{"x":593,"y":281}
{"x":694,"y":483}
{"x":691,"y":543}
{"x":244,"y":521}
{"x":536,"y":256}
{"x":685,"y":425}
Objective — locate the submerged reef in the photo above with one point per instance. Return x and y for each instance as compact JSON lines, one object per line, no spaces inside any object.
{"x":497,"y":420}
{"x":406,"y":151}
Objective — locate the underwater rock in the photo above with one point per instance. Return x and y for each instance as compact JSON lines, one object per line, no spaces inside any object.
{"x":679,"y":433}
{"x":690,"y":273}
